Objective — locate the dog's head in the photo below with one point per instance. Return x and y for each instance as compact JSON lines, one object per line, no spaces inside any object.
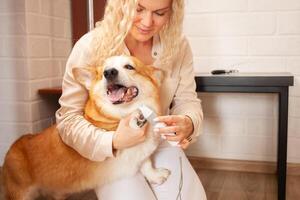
{"x":121,"y":85}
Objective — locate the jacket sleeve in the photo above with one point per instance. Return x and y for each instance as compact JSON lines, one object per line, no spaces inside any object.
{"x":185,"y":101}
{"x":88,"y":140}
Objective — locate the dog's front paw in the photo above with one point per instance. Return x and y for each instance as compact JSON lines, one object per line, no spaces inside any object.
{"x":158,"y":176}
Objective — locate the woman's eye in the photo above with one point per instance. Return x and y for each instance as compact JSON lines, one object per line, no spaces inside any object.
{"x":130,"y":67}
{"x":139,"y":10}
{"x":159,"y":14}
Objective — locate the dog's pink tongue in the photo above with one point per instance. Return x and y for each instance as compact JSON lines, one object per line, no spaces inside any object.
{"x":116,"y":95}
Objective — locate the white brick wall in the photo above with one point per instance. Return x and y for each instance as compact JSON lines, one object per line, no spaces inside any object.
{"x":35,"y":40}
{"x":251,"y":36}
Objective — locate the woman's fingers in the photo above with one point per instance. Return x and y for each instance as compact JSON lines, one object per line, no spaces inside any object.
{"x":121,"y":137}
{"x":168,"y":129}
{"x":184,"y":143}
{"x":181,"y":125}
{"x":174,"y":137}
{"x":168,"y":119}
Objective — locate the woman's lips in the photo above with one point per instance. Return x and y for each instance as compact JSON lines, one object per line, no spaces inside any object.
{"x":143,"y":31}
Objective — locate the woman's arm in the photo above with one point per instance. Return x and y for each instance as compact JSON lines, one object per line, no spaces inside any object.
{"x":186,"y":113}
{"x":185,"y":101}
{"x":89,"y":141}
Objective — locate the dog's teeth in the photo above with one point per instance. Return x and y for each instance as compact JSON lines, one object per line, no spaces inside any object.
{"x":135,"y":91}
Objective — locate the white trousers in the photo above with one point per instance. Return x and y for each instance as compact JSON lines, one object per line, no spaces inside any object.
{"x":137,"y":188}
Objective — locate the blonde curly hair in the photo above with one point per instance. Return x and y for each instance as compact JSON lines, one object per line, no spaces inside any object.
{"x":117,"y":22}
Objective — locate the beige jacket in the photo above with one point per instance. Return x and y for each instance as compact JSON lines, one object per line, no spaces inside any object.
{"x":178,"y":97}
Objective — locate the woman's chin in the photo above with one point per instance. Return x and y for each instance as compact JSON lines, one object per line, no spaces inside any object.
{"x":142,"y":37}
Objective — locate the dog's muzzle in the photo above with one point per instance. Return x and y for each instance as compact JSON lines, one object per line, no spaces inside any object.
{"x":110,"y":74}
{"x":118,"y":94}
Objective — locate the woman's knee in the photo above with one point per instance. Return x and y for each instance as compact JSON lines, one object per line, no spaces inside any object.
{"x":131,"y":188}
{"x":183,"y":180}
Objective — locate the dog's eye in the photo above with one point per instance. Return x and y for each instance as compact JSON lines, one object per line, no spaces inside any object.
{"x":130,"y":67}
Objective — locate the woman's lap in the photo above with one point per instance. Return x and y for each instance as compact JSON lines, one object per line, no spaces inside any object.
{"x":132,"y":188}
{"x":136,"y":188}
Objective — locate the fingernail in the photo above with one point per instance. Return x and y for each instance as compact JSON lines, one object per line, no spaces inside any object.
{"x":156,"y":130}
{"x":163,"y":137}
{"x":155,"y":119}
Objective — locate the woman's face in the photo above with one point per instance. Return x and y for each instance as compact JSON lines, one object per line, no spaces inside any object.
{"x":151,"y":16}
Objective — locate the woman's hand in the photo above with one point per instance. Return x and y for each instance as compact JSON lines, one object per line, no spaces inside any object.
{"x":126,"y":136}
{"x":181,"y":125}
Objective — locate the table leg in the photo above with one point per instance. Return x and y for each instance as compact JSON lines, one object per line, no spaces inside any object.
{"x":282,"y":143}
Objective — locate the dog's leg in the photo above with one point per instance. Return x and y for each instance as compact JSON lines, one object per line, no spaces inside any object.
{"x":156,"y":176}
{"x":14,"y":191}
{"x":11,"y":191}
{"x":20,"y":194}
{"x":60,"y":197}
{"x":17,"y":183}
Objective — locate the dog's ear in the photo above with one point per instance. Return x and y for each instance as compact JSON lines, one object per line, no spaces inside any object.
{"x":85,"y":75}
{"x":158,"y":76}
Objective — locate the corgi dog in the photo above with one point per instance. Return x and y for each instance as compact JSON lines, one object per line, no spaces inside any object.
{"x":42,"y":163}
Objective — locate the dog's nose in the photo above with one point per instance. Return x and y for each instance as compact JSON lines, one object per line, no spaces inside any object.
{"x":110,"y":74}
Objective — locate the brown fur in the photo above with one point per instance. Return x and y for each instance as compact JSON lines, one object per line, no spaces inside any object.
{"x":100,"y":119}
{"x":43,"y":161}
{"x":21,"y":169}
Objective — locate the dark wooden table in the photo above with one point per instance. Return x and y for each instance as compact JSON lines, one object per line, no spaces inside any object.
{"x":245,"y":83}
{"x":258,"y":83}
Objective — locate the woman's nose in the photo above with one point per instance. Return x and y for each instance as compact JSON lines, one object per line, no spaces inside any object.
{"x":147,"y":19}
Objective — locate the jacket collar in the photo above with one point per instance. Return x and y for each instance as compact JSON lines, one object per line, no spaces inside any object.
{"x":156,"y":48}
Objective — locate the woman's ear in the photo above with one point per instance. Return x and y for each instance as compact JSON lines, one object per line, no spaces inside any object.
{"x":85,"y":75}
